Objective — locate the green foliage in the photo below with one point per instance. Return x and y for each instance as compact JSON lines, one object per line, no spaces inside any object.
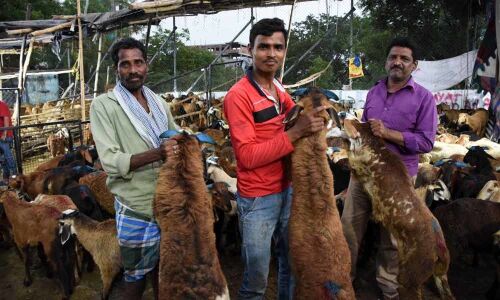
{"x":335,"y":47}
{"x":13,"y":10}
{"x":439,"y":30}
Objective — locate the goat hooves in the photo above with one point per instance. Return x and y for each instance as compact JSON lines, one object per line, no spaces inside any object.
{"x":27,"y":282}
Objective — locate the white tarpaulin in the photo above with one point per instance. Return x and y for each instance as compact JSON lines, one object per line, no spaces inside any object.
{"x":442,"y":74}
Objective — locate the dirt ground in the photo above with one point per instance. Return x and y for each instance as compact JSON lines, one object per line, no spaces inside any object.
{"x":471,"y":283}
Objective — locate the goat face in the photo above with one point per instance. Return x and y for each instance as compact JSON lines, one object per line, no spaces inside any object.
{"x":221,"y":197}
{"x":227,"y":161}
{"x":363,"y":144}
{"x":477,"y":157}
{"x":462,"y":118}
{"x":309,"y":102}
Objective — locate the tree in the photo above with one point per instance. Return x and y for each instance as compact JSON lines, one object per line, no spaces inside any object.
{"x":440,"y":29}
{"x":335,"y":48}
{"x":14,"y":10}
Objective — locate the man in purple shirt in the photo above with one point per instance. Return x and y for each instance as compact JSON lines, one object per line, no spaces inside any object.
{"x":404,"y":114}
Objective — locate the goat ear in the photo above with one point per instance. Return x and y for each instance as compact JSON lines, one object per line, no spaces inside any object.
{"x":292,"y":116}
{"x":334,"y":116}
{"x":64,"y":232}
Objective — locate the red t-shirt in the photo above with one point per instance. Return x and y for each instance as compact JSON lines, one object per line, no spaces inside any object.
{"x":5,"y":112}
{"x":258,"y":136}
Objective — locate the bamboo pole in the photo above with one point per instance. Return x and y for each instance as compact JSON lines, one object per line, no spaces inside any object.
{"x":28,"y":58}
{"x":99,"y":53}
{"x":19,"y":31}
{"x":288,"y":40}
{"x":107,"y":79}
{"x":80,"y":57}
{"x":1,"y":65}
{"x":63,"y":17}
{"x":155,"y":4}
{"x":52,"y":29}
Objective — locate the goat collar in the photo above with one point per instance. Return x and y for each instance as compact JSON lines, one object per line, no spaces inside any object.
{"x":201,"y":137}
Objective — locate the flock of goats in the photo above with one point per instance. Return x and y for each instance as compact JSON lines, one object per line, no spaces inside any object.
{"x":451,"y":216}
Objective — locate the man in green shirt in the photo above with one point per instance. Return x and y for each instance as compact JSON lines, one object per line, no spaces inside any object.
{"x":126,"y":124}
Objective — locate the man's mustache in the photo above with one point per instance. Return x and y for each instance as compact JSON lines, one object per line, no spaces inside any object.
{"x":134,"y":77}
{"x":396,"y":67}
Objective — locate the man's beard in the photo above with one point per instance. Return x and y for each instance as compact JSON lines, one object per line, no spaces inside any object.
{"x":132,"y":86}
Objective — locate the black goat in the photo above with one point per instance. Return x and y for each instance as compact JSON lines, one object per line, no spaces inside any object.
{"x":481,"y":172}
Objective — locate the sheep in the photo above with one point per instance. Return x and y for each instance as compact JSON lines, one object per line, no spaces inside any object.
{"x":477,"y":121}
{"x":319,"y":252}
{"x":490,"y":191}
{"x":189,"y":266}
{"x":96,"y":181}
{"x":34,"y":224}
{"x":99,"y":239}
{"x":422,"y":250}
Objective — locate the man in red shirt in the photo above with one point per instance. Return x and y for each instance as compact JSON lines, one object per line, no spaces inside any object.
{"x":6,"y":137}
{"x":255,"y":108}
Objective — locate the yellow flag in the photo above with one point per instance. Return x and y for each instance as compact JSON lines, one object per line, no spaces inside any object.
{"x":355,"y":67}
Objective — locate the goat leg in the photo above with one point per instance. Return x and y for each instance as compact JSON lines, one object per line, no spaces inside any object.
{"x":43,"y":260}
{"x":27,"y":276}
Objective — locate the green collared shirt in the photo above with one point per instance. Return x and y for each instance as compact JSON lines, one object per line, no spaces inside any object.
{"x":117,"y":140}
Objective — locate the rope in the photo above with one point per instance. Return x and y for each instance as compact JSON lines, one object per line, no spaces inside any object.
{"x":309,"y":78}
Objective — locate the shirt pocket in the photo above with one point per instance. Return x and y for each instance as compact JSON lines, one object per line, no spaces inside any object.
{"x":404,"y":119}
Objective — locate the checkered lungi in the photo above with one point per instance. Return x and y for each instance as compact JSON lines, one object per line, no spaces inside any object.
{"x":139,"y":239}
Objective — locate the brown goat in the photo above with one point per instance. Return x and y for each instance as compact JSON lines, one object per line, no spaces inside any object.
{"x":189,"y":266}
{"x":318,"y":249}
{"x":31,"y":184}
{"x":59,"y":202}
{"x":96,"y":181}
{"x":50,"y":164}
{"x":421,"y":246}
{"x":477,"y":121}
{"x":99,"y":239}
{"x":227,"y":160}
{"x":56,"y":145}
{"x":34,"y":224}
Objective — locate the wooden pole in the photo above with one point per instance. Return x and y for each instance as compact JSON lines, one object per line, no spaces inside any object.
{"x":175,"y":57}
{"x":107,"y":78}
{"x":80,"y":58}
{"x":99,"y":53}
{"x":1,"y":65}
{"x":288,"y":40}
{"x":148,"y":32}
{"x":53,"y":28}
{"x":28,"y":58}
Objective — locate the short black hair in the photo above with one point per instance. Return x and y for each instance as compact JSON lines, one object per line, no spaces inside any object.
{"x":126,"y":43}
{"x":405,"y":43}
{"x":267,"y":27}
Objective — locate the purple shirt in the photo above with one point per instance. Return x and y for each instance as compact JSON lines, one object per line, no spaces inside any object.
{"x":411,"y":111}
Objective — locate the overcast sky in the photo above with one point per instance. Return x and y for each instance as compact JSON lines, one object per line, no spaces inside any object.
{"x":223,"y":26}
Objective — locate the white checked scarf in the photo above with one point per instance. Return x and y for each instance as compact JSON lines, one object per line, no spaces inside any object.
{"x":148,"y":126}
